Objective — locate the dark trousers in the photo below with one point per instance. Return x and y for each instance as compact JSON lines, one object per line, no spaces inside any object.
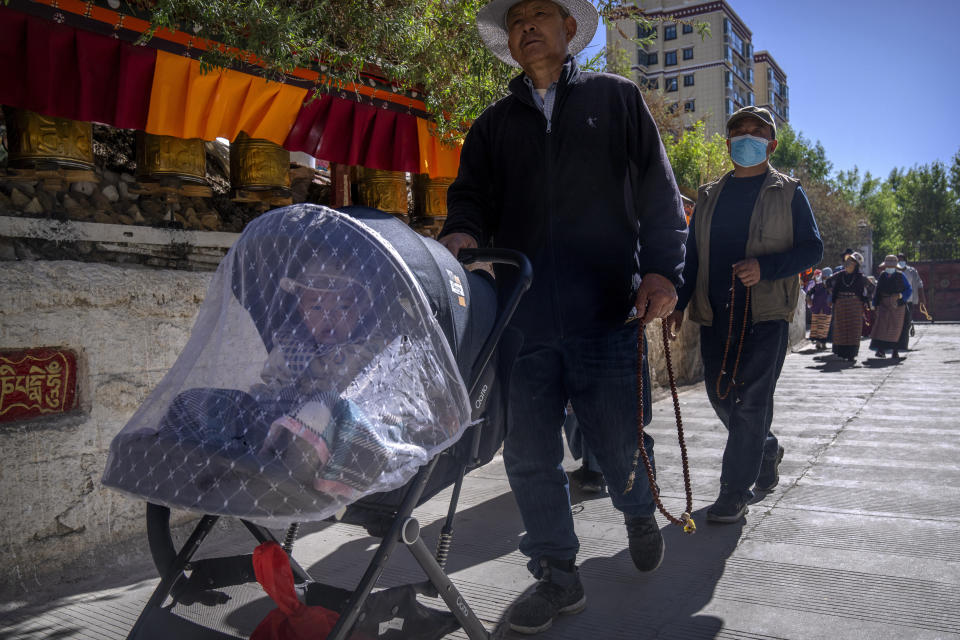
{"x":747,"y":411}
{"x":598,"y":374}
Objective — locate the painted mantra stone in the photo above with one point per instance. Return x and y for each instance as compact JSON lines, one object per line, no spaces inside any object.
{"x":37,"y":382}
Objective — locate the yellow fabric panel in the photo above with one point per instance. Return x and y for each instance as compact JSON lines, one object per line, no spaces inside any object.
{"x":220,"y":103}
{"x":436,"y":159}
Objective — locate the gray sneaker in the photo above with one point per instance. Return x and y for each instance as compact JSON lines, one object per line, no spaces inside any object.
{"x":558,"y":592}
{"x":728,"y":508}
{"x":770,"y":471}
{"x":645,"y":541}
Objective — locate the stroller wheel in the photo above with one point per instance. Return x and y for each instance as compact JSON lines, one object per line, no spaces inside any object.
{"x":161,"y":542}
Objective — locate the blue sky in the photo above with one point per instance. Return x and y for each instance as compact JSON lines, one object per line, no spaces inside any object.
{"x":877,"y":82}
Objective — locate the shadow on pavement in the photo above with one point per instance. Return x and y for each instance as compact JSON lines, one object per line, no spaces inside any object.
{"x":663,"y":603}
{"x":881,"y":363}
{"x":832,"y":365}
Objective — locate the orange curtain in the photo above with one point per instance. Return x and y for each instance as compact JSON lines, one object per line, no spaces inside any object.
{"x":436,"y":159}
{"x":220,"y":103}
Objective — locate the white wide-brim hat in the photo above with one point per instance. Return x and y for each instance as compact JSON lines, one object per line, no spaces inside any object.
{"x":492,"y":24}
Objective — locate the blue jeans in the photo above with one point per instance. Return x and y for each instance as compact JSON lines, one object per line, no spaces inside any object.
{"x":576,"y":443}
{"x":597,"y":372}
{"x":747,"y":412}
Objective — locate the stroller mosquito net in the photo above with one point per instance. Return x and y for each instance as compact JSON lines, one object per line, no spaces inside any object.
{"x":315,"y":374}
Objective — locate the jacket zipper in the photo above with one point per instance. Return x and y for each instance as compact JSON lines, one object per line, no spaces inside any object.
{"x":551,"y":200}
{"x":558,"y":100}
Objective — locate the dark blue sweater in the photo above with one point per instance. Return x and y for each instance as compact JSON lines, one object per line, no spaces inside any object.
{"x":728,"y":243}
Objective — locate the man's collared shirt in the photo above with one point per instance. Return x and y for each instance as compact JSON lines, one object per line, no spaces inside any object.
{"x":545,"y":102}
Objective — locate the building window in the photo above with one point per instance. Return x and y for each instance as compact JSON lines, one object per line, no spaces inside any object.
{"x":688,"y":53}
{"x":750,"y":99}
{"x":730,"y":108}
{"x":670,"y":84}
{"x":688,"y":80}
{"x":653,"y":83}
{"x":670,"y":32}
{"x":646,"y":32}
{"x":651,"y":58}
{"x":673,"y":108}
{"x":669,"y":58}
{"x":687,"y":28}
{"x":689,"y":106}
{"x":641,"y":56}
{"x":728,"y":81}
{"x":750,"y":75}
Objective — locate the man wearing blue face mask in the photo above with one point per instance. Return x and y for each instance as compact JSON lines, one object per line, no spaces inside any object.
{"x":751,"y":234}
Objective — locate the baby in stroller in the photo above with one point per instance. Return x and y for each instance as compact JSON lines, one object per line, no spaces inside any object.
{"x":315,"y":374}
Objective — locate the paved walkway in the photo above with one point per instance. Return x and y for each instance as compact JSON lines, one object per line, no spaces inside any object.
{"x":860,"y":540}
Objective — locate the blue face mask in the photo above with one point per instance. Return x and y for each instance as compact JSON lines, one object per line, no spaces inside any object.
{"x":748,"y":151}
{"x":891,"y":270}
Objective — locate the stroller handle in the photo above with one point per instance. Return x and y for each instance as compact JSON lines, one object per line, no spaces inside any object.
{"x":512,"y":300}
{"x":501,"y":256}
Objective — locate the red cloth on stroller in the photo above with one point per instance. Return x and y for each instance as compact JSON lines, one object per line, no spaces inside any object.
{"x":291,"y":620}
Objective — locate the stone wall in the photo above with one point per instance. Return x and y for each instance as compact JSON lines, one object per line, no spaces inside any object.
{"x":127,"y":325}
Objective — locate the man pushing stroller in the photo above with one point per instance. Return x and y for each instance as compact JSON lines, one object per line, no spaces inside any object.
{"x":569,"y":169}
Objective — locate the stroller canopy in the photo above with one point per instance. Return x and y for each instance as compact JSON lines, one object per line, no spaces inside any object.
{"x":316,"y":373}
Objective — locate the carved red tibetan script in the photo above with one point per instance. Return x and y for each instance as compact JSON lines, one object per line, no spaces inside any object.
{"x":37,"y":382}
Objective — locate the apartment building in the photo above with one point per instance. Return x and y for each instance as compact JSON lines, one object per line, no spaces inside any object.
{"x":706,"y":78}
{"x":771,"y":86}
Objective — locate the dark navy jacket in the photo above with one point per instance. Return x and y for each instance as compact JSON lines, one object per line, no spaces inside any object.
{"x":592,"y":203}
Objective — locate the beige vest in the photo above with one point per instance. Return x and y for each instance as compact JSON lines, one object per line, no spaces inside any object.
{"x":771,"y":231}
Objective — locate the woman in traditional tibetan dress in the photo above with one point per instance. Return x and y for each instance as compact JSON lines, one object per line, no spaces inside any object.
{"x":849,"y":298}
{"x":890,"y":299}
{"x":818,"y":299}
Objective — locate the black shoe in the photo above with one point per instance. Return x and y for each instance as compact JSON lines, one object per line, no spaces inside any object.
{"x":645,"y":541}
{"x":881,"y":354}
{"x":558,"y":592}
{"x":591,"y":481}
{"x":770,"y":471}
{"x":728,"y":508}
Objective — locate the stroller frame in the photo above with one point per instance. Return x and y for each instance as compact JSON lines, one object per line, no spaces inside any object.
{"x":209,"y":574}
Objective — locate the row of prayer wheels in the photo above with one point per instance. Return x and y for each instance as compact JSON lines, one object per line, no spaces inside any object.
{"x":44,"y":142}
{"x":387,"y":191}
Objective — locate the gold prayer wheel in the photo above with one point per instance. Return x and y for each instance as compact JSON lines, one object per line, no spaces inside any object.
{"x":258,"y":164}
{"x":167,"y":156}
{"x":35,"y":139}
{"x":430,"y":204}
{"x":430,"y":196}
{"x":384,"y":190}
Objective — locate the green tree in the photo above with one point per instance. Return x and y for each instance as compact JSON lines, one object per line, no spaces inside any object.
{"x":839,"y":221}
{"x":928,"y":206}
{"x":877,"y":200}
{"x":697,"y":159}
{"x":796,"y":154}
{"x":877,"y":203}
{"x":430,"y":46}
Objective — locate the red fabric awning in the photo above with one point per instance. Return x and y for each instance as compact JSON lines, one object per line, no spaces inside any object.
{"x":65,"y":72}
{"x":351,"y":133}
{"x":51,"y":62}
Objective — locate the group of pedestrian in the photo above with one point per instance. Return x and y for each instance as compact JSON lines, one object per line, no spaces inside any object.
{"x":569,"y":169}
{"x":849,"y":305}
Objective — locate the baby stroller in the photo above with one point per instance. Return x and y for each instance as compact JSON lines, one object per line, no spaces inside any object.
{"x":340,"y":366}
